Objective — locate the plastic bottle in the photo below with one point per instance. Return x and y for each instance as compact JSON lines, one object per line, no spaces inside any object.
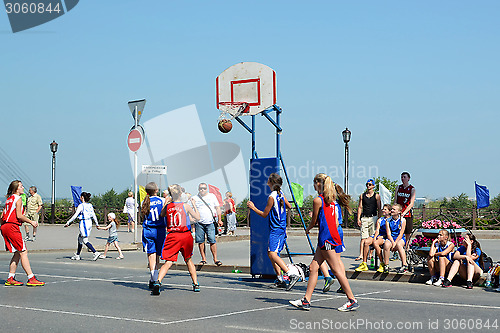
{"x":237,"y":271}
{"x":372,"y":262}
{"x":487,"y":284}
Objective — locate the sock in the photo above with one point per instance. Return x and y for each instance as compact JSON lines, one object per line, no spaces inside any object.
{"x":30,"y":276}
{"x":79,"y":250}
{"x":352,"y":300}
{"x":90,"y":247}
{"x":155,"y":275}
{"x":12,"y":275}
{"x":441,"y":277}
{"x":28,"y":234}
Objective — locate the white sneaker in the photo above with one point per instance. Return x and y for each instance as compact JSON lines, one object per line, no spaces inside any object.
{"x":96,"y":255}
{"x":102,"y":256}
{"x":438,"y":283}
{"x":75,"y":257}
{"x":349,"y":306}
{"x":431,"y":281}
{"x":119,"y":257}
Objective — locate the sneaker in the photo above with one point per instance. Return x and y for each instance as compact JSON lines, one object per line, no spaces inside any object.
{"x":293,"y":280}
{"x":403,"y":269}
{"x":340,"y":291}
{"x":386,"y":269}
{"x":156,"y":288}
{"x":301,"y":304}
{"x":196,"y":288}
{"x":350,"y":305}
{"x":27,"y":238}
{"x":96,"y":255}
{"x":498,"y":289}
{"x":446,"y":283}
{"x":102,"y":256}
{"x":151,"y":283}
{"x":328,"y":283}
{"x":380,"y":268}
{"x":34,"y":238}
{"x":431,"y":281}
{"x":33,"y":282}
{"x":12,"y":282}
{"x":279,"y":283}
{"x":119,"y":257}
{"x":469,"y":285}
{"x":395,"y":256}
{"x":438,"y":283}
{"x":75,"y":257}
{"x":362,"y":267}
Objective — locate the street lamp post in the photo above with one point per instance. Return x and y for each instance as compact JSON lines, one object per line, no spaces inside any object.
{"x":346,"y":135}
{"x":53,"y":149}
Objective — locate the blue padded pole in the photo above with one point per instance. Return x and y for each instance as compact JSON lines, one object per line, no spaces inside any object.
{"x":296,"y":204}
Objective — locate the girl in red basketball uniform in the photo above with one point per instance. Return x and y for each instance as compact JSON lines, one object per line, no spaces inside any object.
{"x":179,"y":237}
{"x":12,"y":218}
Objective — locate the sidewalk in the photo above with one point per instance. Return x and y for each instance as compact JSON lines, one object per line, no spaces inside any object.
{"x":234,"y":251}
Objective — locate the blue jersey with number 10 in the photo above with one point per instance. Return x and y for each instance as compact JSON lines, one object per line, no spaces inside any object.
{"x":153,"y":220}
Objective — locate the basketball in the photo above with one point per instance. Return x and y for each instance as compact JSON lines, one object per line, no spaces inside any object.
{"x":225,"y":125}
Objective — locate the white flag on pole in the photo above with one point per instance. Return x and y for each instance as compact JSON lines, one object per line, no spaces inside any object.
{"x":385,"y":194}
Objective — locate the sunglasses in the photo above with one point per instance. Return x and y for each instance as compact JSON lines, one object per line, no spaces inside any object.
{"x":202,"y":188}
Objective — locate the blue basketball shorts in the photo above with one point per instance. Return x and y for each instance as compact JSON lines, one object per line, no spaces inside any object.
{"x":276,"y":240}
{"x":153,"y":239}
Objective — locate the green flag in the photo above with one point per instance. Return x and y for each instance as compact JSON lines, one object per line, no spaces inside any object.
{"x":298,"y":193}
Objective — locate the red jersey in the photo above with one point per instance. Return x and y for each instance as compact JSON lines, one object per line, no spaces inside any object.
{"x":9,"y":212}
{"x":403,"y":198}
{"x":177,"y":218}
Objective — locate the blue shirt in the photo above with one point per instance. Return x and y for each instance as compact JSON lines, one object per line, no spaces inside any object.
{"x":153,"y":220}
{"x":277,"y":215}
{"x":463,"y":250}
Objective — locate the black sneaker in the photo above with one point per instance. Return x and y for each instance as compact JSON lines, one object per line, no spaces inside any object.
{"x":446,"y":283}
{"x":151,"y":283}
{"x":292,"y":281}
{"x":279,"y":284}
{"x":156,"y":288}
{"x":469,"y":285}
{"x":340,"y":291}
{"x":196,"y":288}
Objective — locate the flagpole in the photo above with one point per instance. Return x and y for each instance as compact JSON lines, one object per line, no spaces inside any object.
{"x":135,"y":183}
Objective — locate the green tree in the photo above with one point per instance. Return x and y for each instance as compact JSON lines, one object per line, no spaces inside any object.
{"x":458,"y":202}
{"x":495,"y":203}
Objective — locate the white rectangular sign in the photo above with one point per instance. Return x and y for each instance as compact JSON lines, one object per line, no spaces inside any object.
{"x":154,"y":169}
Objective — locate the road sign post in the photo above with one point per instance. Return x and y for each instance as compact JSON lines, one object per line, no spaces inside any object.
{"x":135,"y":140}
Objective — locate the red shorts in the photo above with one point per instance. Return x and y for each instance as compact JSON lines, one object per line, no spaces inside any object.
{"x":176,"y":242}
{"x":13,"y":238}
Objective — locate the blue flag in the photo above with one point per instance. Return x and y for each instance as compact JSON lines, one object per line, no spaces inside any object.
{"x":482,"y":196}
{"x":76,"y":191}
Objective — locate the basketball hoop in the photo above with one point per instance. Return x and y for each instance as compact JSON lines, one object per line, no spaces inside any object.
{"x":231,"y":110}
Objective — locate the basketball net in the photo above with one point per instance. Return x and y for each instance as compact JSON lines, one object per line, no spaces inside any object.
{"x":231,"y":110}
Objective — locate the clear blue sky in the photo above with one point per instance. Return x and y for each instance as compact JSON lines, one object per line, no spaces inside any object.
{"x":417,"y":83}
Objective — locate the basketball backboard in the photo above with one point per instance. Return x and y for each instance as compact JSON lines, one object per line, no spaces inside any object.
{"x":248,"y":82}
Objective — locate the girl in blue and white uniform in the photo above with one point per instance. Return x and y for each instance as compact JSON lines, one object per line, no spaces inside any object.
{"x":85,"y":213}
{"x":276,"y":210}
{"x":377,"y":240}
{"x":153,"y":229}
{"x":440,"y":258}
{"x":395,"y":226}
{"x":325,"y":214}
{"x":467,"y":261}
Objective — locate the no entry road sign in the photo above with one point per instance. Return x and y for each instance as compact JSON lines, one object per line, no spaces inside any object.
{"x":134,"y":140}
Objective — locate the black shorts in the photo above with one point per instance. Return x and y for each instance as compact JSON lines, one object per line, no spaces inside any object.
{"x":409,"y":225}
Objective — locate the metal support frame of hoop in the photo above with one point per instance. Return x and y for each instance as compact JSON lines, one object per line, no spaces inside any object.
{"x":279,"y":130}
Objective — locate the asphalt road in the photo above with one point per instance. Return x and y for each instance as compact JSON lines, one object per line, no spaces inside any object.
{"x":112,"y":296}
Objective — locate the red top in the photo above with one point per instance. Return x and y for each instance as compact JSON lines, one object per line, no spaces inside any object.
{"x":177,"y":218}
{"x":228,"y":208}
{"x":403,"y":198}
{"x":9,"y":212}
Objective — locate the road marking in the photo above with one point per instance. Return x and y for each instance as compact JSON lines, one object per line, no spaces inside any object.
{"x":173,"y":321}
{"x":392,"y":300}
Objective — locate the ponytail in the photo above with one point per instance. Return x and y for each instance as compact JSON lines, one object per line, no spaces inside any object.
{"x":343,"y":199}
{"x":329,"y":191}
{"x":151,"y":189}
